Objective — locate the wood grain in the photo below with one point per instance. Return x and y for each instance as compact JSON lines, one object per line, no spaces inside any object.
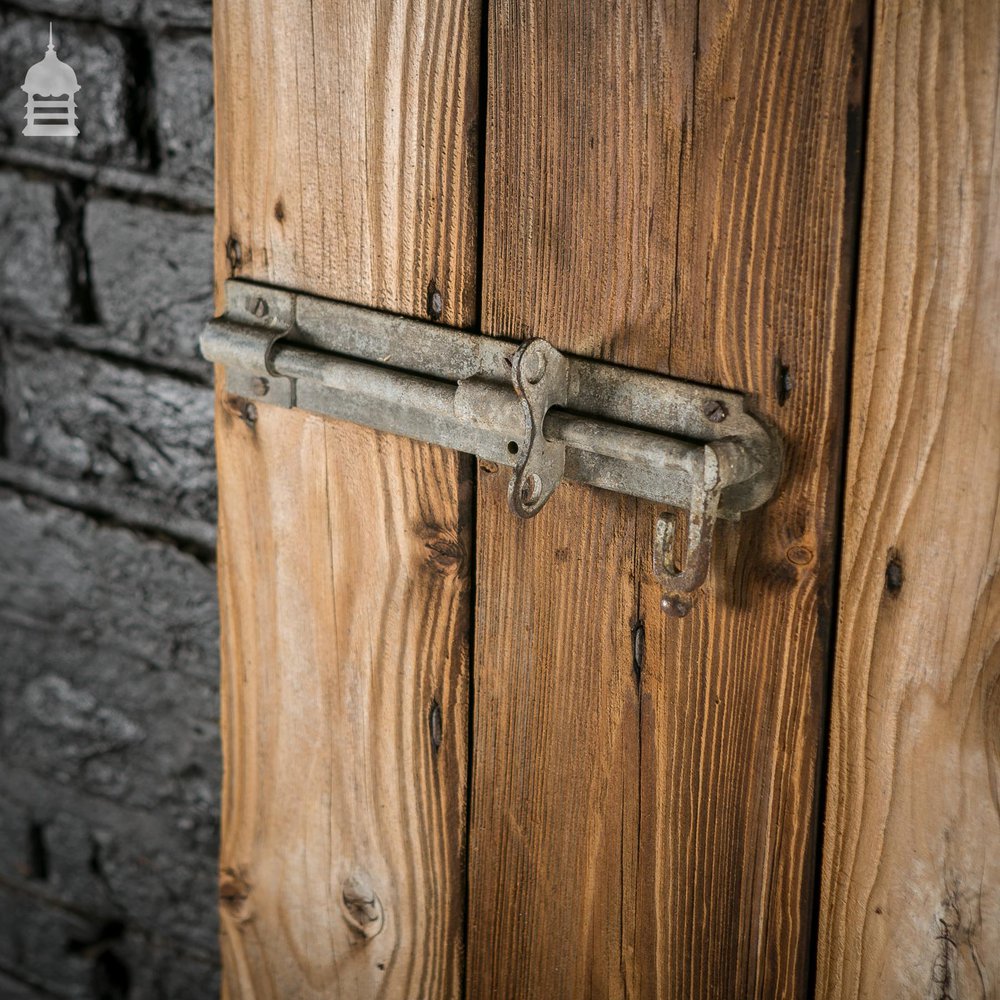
{"x":345,"y":615}
{"x":347,"y":141}
{"x":911,"y":859}
{"x":346,"y":167}
{"x":673,"y":188}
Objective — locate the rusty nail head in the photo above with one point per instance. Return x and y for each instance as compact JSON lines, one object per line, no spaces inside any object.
{"x":715,"y":410}
{"x":536,"y":365}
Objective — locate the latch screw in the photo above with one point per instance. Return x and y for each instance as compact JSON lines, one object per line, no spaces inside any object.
{"x":535,"y":368}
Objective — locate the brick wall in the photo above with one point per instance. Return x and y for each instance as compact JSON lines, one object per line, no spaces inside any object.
{"x":109,"y":763}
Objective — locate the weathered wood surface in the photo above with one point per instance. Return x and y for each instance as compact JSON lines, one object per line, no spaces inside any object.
{"x":347,"y":158}
{"x":911,"y":859}
{"x":347,"y":146}
{"x":344,"y":630}
{"x":676,"y":190}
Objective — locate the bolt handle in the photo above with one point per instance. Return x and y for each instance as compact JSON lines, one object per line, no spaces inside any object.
{"x":540,"y":375}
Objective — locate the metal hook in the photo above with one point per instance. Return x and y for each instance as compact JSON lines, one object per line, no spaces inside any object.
{"x":704,"y":508}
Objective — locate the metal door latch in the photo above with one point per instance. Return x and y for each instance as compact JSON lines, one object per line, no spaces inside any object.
{"x":549,"y":415}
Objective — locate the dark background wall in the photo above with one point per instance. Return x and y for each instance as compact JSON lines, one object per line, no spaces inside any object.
{"x":109,"y":763}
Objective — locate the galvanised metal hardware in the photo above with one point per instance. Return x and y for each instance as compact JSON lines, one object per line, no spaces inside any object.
{"x":549,"y":415}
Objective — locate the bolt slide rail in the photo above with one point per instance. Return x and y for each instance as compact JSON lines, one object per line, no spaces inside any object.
{"x":550,"y":416}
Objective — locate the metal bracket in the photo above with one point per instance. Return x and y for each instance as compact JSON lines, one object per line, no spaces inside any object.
{"x":551,"y":416}
{"x":540,"y":375}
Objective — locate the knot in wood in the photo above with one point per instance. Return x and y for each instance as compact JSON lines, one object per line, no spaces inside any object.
{"x":362,"y":908}
{"x":234,"y":894}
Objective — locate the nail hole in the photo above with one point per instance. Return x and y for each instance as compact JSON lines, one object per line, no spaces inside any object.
{"x":435,"y":301}
{"x":894,"y":573}
{"x":785,"y":383}
{"x":715,"y":410}
{"x":638,"y":649}
{"x":512,"y":447}
{"x":234,"y":254}
{"x":434,"y":723}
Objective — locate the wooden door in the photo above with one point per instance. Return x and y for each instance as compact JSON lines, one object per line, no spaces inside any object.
{"x":472,"y":756}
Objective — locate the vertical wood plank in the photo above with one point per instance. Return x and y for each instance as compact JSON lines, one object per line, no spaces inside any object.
{"x":347,"y":148}
{"x":344,"y":625}
{"x":911,"y":858}
{"x":672,"y":187}
{"x":555,"y":772}
{"x":346,"y":167}
{"x":583,"y":124}
{"x":734,"y":694}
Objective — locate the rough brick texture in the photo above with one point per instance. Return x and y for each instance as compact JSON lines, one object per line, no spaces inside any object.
{"x":108,"y":736}
{"x":33,"y":253}
{"x":152,"y":276}
{"x":147,"y":436}
{"x":191,"y":13}
{"x":108,"y":661}
{"x":115,"y":12}
{"x":152,"y":13}
{"x":183,"y":68}
{"x":101,"y":58}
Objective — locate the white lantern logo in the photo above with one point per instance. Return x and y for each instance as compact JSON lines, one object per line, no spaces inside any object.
{"x":51,"y":78}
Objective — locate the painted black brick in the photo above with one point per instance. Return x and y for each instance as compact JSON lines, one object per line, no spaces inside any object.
{"x":62,"y":572}
{"x":37,"y":945}
{"x":143,"y":435}
{"x":151,"y":274}
{"x":127,"y":13}
{"x":113,"y":12}
{"x":183,"y":72}
{"x":99,"y":57}
{"x":14,"y":989}
{"x":108,"y":729}
{"x":49,"y":952}
{"x":186,"y":13}
{"x":33,"y":258}
{"x":108,"y":635}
